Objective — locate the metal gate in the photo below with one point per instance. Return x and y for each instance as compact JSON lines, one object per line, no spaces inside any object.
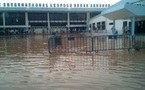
{"x":83,"y":44}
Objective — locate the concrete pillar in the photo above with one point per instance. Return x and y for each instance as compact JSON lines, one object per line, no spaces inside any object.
{"x":4,"y":20}
{"x":48,"y":21}
{"x":132,"y":31}
{"x":26,"y":19}
{"x":113,"y":28}
{"x":68,"y":21}
{"x":132,"y":26}
{"x":114,"y":24}
{"x":88,"y":18}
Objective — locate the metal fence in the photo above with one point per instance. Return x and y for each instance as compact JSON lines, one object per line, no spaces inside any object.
{"x":84,"y":44}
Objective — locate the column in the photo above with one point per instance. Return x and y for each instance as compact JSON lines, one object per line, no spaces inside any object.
{"x":68,"y":21}
{"x":26,"y":20}
{"x":88,"y":18}
{"x":113,"y":28}
{"x":114,"y":24}
{"x":4,"y":21}
{"x":48,"y":21}
{"x":132,"y":31}
{"x":132,"y":26}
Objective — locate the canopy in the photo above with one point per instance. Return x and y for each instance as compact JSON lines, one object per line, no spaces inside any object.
{"x":125,"y":9}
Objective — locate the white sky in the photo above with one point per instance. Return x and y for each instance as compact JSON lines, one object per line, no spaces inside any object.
{"x":64,"y":1}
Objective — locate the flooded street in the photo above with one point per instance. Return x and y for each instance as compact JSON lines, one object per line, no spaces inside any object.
{"x":25,"y":64}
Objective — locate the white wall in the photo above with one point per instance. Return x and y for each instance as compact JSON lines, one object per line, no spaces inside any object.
{"x":118,"y":23}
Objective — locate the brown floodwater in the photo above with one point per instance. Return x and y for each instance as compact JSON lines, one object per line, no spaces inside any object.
{"x":25,"y":64}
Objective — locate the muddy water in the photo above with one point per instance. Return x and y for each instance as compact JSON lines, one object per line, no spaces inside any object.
{"x":25,"y":64}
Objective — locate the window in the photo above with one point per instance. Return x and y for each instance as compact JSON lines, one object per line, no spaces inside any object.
{"x":94,"y":5}
{"x":29,"y":4}
{"x":19,"y":5}
{"x":58,"y":16}
{"x":94,"y":28}
{"x":15,"y":18}
{"x":81,"y":5}
{"x":77,"y":5}
{"x":111,"y":23}
{"x":84,"y":5}
{"x":36,"y":5}
{"x":108,"y":5}
{"x":54,"y":5}
{"x":103,"y":25}
{"x":87,"y":5}
{"x":4,"y":4}
{"x":98,"y":25}
{"x":70,"y":5}
{"x":39,"y":4}
{"x":63,"y":5}
{"x":91,"y":5}
{"x":78,"y":16}
{"x":26,"y":5}
{"x":50,"y":5}
{"x":60,"y":5}
{"x":105,"y":5}
{"x":8,"y":4}
{"x":32,"y":4}
{"x":11,"y":4}
{"x":15,"y":4}
{"x":74,"y":5}
{"x":22,"y":4}
{"x":100,"y":5}
{"x":43,"y":5}
{"x":124,"y":23}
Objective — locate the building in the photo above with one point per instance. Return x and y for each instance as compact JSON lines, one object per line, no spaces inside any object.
{"x":126,"y":13}
{"x":47,"y":17}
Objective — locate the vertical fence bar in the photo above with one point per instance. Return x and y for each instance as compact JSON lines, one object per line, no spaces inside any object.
{"x":49,"y":45}
{"x":92,"y":43}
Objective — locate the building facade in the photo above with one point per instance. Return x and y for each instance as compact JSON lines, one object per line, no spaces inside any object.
{"x":45,"y":18}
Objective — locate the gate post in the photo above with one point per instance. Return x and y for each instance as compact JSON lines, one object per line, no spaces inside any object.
{"x":92,"y":43}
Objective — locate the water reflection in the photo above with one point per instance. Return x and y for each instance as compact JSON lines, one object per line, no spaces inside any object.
{"x":79,"y":62}
{"x":26,"y":64}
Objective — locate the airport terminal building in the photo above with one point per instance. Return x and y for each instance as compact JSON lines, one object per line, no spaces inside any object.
{"x":47,"y":17}
{"x":38,"y":18}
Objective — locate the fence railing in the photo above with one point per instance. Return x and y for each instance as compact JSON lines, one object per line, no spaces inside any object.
{"x":78,"y":43}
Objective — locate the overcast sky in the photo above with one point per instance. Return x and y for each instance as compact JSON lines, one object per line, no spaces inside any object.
{"x":63,"y":1}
